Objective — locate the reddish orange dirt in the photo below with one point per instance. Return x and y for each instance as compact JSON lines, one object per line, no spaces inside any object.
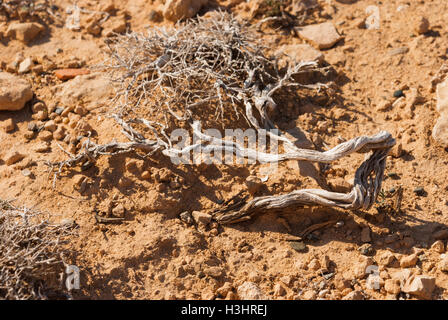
{"x":152,"y":254}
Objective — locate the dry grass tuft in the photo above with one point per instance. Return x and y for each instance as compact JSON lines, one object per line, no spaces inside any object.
{"x":31,"y":254}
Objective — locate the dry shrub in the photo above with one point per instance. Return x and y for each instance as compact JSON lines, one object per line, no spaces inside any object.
{"x":32,"y":254}
{"x":206,"y":68}
{"x":212,"y":70}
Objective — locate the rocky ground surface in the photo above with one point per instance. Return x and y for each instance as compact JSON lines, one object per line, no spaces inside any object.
{"x":388,"y":70}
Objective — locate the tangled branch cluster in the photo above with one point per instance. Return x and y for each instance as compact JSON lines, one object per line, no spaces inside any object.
{"x":209,"y":62}
{"x":31,"y":253}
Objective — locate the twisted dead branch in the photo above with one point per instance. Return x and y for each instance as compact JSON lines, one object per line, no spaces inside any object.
{"x":172,"y":75}
{"x":31,"y":253}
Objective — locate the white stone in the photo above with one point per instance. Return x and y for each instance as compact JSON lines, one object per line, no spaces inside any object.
{"x":25,"y":66}
{"x":250,"y":291}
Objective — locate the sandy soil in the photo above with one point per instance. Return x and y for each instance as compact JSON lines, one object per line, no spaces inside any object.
{"x":152,"y":254}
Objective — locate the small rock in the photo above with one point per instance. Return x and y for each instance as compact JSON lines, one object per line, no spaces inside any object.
{"x":83,"y":127}
{"x":41,"y":148}
{"x":365,"y":235}
{"x":279,"y":290}
{"x":325,"y":262}
{"x":321,"y":36}
{"x":134,"y":166}
{"x":231,"y":296}
{"x":409,"y":261}
{"x":392,"y":286}
{"x":25,"y":66}
{"x":39,"y":106}
{"x":384,"y":105}
{"x":32,"y":126}
{"x":27,"y":173}
{"x":328,"y":276}
{"x":114,"y":25}
{"x":421,"y":25}
{"x":397,"y":51}
{"x":402,"y":275}
{"x":50,"y":126}
{"x":146,"y":175}
{"x":67,"y":111}
{"x":309,"y":295}
{"x":442,"y":97}
{"x":414,"y":97}
{"x":314,"y":265}
{"x":94,"y":28}
{"x":29,"y":135}
{"x":155,"y":16}
{"x":41,"y":115}
{"x":175,"y":10}
{"x":59,"y":111}
{"x":287,"y":280}
{"x":24,"y":32}
{"x":421,"y":286}
{"x":67,"y":74}
{"x":299,"y":246}
{"x":39,"y":69}
{"x":253,"y":184}
{"x":78,"y":180}
{"x":366,"y":249}
{"x":14,"y":92}
{"x":80,"y":110}
{"x":419,"y":191}
{"x":443,"y":264}
{"x":354,"y":295}
{"x":398,"y":93}
{"x":201,"y":217}
{"x":387,"y":259}
{"x":440,"y":130}
{"x":59,"y":134}
{"x":339,"y":224}
{"x":438,"y":246}
{"x":250,"y":291}
{"x":9,"y":125}
{"x":67,"y":222}
{"x":45,"y":135}
{"x":186,"y":217}
{"x":119,"y":211}
{"x":362,"y":267}
{"x":254,"y":276}
{"x":224,"y":290}
{"x":397,"y":151}
{"x":13,"y":157}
